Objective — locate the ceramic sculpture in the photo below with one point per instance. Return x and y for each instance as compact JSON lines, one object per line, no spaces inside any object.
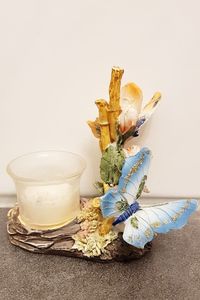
{"x":113,"y":225}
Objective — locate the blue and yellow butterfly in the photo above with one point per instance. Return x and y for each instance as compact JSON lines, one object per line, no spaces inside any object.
{"x":142,"y":223}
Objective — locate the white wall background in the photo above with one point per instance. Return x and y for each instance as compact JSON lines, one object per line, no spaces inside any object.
{"x":56,"y":58}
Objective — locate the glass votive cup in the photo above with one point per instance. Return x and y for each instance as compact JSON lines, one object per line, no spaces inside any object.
{"x":48,"y":188}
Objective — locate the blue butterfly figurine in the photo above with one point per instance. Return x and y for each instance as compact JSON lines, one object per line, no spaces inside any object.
{"x":141,"y":223}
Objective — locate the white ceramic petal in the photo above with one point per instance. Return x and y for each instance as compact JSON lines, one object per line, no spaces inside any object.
{"x":130,"y":102}
{"x":131,"y":94}
{"x":128,"y":118}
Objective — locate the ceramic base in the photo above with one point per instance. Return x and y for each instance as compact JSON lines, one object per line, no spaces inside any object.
{"x":59,"y":241}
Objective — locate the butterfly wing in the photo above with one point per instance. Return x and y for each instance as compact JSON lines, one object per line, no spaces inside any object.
{"x":113,"y":203}
{"x":137,"y":232}
{"x":172,"y":215}
{"x":131,"y":183}
{"x":157,"y":219}
{"x":134,"y":174}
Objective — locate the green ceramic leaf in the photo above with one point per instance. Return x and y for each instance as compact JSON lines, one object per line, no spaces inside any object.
{"x":111,"y":164}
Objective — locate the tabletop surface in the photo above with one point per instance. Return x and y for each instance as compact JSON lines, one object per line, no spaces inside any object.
{"x":170,"y":271}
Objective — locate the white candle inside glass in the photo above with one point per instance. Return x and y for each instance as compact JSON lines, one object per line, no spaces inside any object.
{"x":47,"y":185}
{"x":49,"y":204}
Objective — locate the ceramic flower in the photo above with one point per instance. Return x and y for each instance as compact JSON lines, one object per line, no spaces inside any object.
{"x":133,"y":116}
{"x":94,"y":244}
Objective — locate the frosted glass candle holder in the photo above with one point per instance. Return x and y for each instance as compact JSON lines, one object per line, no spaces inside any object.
{"x":47,"y":185}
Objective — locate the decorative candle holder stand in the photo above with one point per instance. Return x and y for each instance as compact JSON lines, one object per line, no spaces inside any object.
{"x":113,"y":226}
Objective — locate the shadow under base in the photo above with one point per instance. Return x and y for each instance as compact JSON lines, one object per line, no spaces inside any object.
{"x":60,"y":242}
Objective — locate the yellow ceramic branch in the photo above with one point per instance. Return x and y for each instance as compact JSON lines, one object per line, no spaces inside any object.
{"x":114,"y":109}
{"x":103,"y":123}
